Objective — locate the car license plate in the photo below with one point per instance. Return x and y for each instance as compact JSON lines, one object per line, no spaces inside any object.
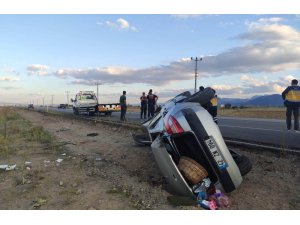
{"x":216,"y":153}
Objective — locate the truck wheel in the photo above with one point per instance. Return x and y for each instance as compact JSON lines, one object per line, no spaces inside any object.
{"x":75,"y":111}
{"x":108,"y":114}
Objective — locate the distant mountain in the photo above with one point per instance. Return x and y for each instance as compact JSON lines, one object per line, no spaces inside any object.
{"x":265,"y":100}
{"x":232,"y":101}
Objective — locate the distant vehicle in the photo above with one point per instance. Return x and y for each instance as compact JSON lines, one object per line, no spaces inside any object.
{"x":30,"y":106}
{"x":62,"y":106}
{"x":87,"y":102}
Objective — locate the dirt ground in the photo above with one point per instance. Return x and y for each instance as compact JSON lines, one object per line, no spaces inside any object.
{"x":108,"y":171}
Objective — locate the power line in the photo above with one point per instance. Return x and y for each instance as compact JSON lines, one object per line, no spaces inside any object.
{"x":68,"y":97}
{"x":197,"y":59}
{"x":52,"y":100}
{"x":98,"y":92}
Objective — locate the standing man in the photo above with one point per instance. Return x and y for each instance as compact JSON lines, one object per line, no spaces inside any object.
{"x":123,"y":104}
{"x":213,"y":108}
{"x":143,"y":99}
{"x":152,"y":98}
{"x":291,"y":97}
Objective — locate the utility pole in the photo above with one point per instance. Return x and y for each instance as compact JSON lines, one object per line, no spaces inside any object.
{"x":52,"y":100}
{"x":97,"y":92}
{"x":68,"y":97}
{"x":197,"y":59}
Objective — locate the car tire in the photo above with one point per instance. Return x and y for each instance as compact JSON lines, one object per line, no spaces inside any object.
{"x":202,"y":97}
{"x":243,"y":162}
{"x":141,"y":139}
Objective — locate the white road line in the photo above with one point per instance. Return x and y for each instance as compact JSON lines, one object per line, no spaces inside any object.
{"x":252,"y":128}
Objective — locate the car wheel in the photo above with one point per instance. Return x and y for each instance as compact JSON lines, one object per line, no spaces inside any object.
{"x":243,"y":162}
{"x":202,"y":97}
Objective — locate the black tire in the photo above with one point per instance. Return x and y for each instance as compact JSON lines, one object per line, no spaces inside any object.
{"x":186,"y":94}
{"x":202,"y":97}
{"x":75,"y":111}
{"x":244,"y":165}
{"x":108,"y":113}
{"x":243,"y":162}
{"x":141,"y":139}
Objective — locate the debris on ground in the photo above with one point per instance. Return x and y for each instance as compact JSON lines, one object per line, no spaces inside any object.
{"x":38,"y":202}
{"x":27,"y":163}
{"x":8,"y":167}
{"x":92,"y":134}
{"x":63,"y":129}
{"x":59,"y":160}
{"x":208,"y":197}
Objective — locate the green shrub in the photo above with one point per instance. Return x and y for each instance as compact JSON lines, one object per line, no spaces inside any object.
{"x":38,"y":134}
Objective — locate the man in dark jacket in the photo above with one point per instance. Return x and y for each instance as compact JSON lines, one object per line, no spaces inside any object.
{"x":123,"y":104}
{"x":291,"y":97}
{"x":143,"y":99}
{"x":152,"y":98}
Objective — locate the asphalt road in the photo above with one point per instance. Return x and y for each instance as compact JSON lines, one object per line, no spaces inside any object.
{"x":263,"y":131}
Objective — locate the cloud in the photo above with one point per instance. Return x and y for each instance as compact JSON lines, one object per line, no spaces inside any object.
{"x":185,"y":16}
{"x":252,"y":86}
{"x":269,"y":48}
{"x":8,"y":78}
{"x":270,"y":20}
{"x":119,"y":24}
{"x":159,"y":75}
{"x":9,"y":88}
{"x":38,"y":70}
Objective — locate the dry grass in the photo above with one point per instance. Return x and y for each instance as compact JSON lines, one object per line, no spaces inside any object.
{"x":265,"y":113}
{"x":258,"y":112}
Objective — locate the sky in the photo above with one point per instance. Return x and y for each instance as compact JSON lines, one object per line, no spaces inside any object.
{"x":57,"y":55}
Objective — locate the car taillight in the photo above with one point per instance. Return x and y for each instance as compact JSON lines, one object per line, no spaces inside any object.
{"x":172,"y":126}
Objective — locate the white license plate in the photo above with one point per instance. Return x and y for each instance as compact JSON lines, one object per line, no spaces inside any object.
{"x":216,"y":153}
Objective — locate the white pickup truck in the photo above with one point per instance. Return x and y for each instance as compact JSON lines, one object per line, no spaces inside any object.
{"x":86,"y":102}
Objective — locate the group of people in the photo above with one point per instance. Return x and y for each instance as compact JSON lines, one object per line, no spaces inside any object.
{"x":291,"y":97}
{"x":148,"y":104}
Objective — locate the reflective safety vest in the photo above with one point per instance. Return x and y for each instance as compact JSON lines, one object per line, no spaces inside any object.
{"x":214,"y":101}
{"x":293,"y":95}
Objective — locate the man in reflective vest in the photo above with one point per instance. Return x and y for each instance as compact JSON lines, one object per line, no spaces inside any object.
{"x":291,"y":97}
{"x":213,"y":108}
